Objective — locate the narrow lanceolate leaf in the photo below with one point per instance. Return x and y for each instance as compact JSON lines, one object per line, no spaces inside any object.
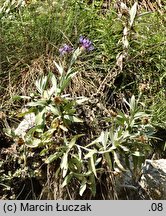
{"x":76,"y":53}
{"x":67,"y":179}
{"x":83,"y":186}
{"x":103,"y":138}
{"x":64,"y":83}
{"x":140,"y":115}
{"x":81,"y":100}
{"x":53,"y":157}
{"x":55,"y":110}
{"x":53,"y":89}
{"x":108,"y":150}
{"x":92,"y":184}
{"x":59,"y":67}
{"x":132,"y":103}
{"x":93,"y":165}
{"x":94,"y":141}
{"x":73,"y":141}
{"x":126,"y":102}
{"x":138,"y":154}
{"x":42,"y":102}
{"x":124,"y":148}
{"x":64,"y":164}
{"x":90,"y":154}
{"x":34,"y":143}
{"x":132,"y":13}
{"x":73,"y":118}
{"x":41,"y":84}
{"x":118,"y":163}
{"x":75,"y":164}
{"x":17,"y":97}
{"x":63,"y":128}
{"x":108,"y":159}
{"x":39,"y":119}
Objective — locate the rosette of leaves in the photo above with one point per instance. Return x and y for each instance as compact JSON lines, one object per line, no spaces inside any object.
{"x":54,"y":112}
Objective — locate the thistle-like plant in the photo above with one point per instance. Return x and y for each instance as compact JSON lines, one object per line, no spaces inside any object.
{"x":53,"y":113}
{"x":54,"y":110}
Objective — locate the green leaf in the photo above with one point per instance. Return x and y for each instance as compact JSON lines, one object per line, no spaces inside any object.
{"x":42,"y":103}
{"x":117,"y":161}
{"x":59,"y":67}
{"x":40,"y":118}
{"x":9,"y":132}
{"x":140,"y":115}
{"x":108,"y":159}
{"x":126,"y":103}
{"x":112,"y":137}
{"x":64,"y":164}
{"x":55,"y":110}
{"x":67,"y":179}
{"x":53,"y":89}
{"x":34,"y":143}
{"x":149,"y":130}
{"x":53,"y":157}
{"x":125,"y":134}
{"x":92,"y":184}
{"x":121,"y":118}
{"x":41,"y":84}
{"x":79,"y":152}
{"x":63,"y":128}
{"x":17,"y":97}
{"x":90,"y":154}
{"x":111,"y":149}
{"x":82,"y":187}
{"x":75,"y":164}
{"x":124,"y":148}
{"x":31,"y":131}
{"x":81,"y":100}
{"x":69,"y":107}
{"x":81,"y":175}
{"x":137,"y":163}
{"x":98,"y":161}
{"x":72,"y":118}
{"x":132,"y":103}
{"x":93,"y":165}
{"x":104,"y":139}
{"x":44,"y":151}
{"x":76,"y":53}
{"x":64,"y":84}
{"x":93,"y":142}
{"x":101,"y":139}
{"x":73,"y":140}
{"x":31,"y":110}
{"x":6,"y":186}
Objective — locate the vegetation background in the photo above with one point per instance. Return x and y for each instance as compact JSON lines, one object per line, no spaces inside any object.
{"x":121,"y":82}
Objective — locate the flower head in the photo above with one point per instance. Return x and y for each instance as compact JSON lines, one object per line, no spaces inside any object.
{"x":86,"y":43}
{"x":65,"y":49}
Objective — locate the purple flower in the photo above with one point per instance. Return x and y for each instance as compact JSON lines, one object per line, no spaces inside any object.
{"x":86,"y":43}
{"x":65,"y":49}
